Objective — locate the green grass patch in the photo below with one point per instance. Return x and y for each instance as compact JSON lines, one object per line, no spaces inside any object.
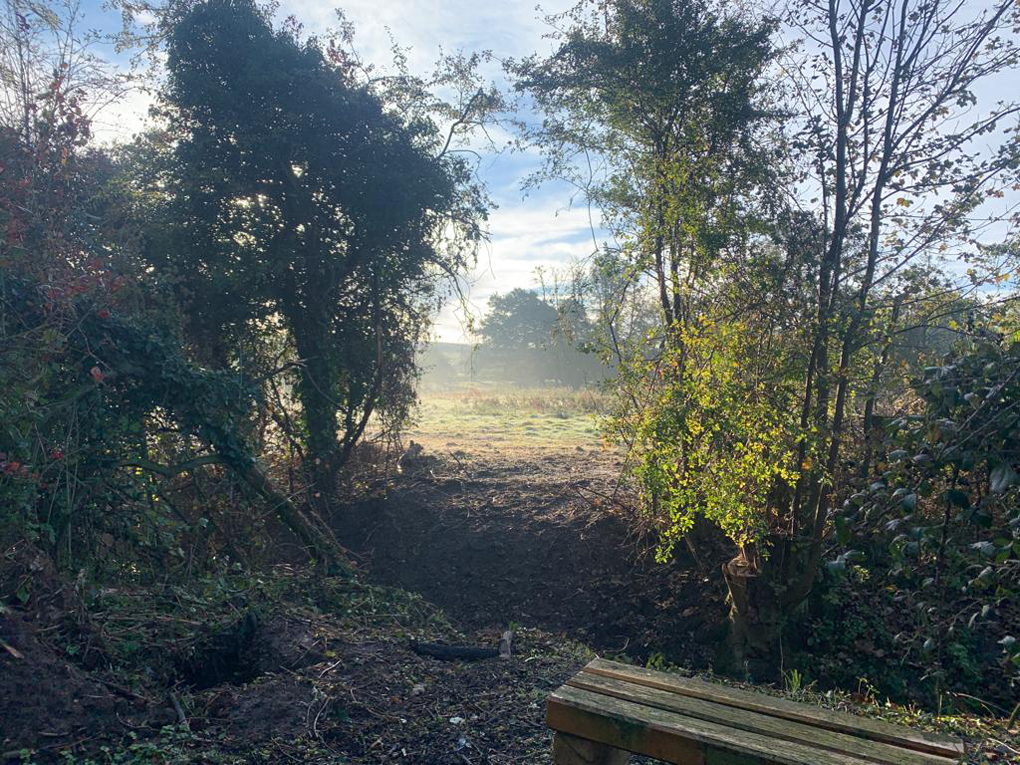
{"x":542,"y":417}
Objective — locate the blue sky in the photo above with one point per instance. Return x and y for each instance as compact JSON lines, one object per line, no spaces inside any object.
{"x":541,"y":230}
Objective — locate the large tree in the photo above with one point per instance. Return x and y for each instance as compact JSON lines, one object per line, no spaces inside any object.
{"x":661,"y":102}
{"x":298,"y":200}
{"x":902,"y":168}
{"x":658,"y":112}
{"x":772,"y":350}
{"x":518,"y":320}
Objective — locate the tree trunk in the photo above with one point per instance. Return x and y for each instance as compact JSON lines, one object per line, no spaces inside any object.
{"x":309,"y":528}
{"x":315,"y":391}
{"x":755,"y":642}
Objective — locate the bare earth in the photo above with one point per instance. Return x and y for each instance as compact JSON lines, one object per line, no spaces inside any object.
{"x":540,"y":537}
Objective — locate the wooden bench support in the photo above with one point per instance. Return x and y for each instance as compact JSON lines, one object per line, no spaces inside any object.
{"x":571,"y":750}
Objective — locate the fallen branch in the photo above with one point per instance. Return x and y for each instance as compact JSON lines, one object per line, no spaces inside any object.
{"x":182,"y":719}
{"x":454,"y":652}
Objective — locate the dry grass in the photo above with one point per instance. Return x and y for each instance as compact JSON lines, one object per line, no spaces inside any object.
{"x":488,"y":417}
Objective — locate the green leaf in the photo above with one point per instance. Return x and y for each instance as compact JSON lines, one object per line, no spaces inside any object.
{"x":958,"y":498}
{"x":1001,"y":478}
{"x":985,"y":548}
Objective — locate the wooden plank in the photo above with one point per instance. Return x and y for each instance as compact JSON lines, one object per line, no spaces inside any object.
{"x":571,"y":750}
{"x":843,"y":722}
{"x":568,"y":715}
{"x":773,"y":727}
{"x":673,"y":737}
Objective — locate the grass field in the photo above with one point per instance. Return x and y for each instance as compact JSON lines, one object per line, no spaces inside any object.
{"x":500,"y":417}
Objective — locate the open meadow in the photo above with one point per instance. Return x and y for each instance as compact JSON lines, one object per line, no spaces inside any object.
{"x":504,"y":417}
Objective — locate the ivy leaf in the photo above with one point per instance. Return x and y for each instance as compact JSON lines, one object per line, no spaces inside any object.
{"x":1001,"y":478}
{"x":982,"y":517}
{"x":985,"y":548}
{"x":958,"y":498}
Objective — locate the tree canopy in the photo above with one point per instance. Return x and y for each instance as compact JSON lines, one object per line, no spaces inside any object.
{"x":518,"y":320}
{"x":300,"y":198}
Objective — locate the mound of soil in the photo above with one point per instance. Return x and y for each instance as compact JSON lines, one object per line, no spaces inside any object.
{"x":544,"y":540}
{"x":45,"y":699}
{"x":48,"y":697}
{"x":238,"y":652}
{"x":375,"y":701}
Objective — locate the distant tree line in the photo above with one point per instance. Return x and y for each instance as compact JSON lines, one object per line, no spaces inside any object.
{"x":526,"y":340}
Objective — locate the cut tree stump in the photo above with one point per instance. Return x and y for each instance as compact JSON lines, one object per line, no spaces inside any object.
{"x":609,"y":709}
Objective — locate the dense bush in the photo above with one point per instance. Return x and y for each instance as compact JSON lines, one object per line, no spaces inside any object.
{"x":227,"y":300}
{"x":947,"y":498}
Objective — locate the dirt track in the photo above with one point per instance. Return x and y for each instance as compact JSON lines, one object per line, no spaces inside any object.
{"x":535,"y":538}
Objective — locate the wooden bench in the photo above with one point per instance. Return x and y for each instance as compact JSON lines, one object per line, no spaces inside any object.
{"x":609,"y":710}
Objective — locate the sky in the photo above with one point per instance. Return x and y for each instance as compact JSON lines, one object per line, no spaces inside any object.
{"x":540,"y":230}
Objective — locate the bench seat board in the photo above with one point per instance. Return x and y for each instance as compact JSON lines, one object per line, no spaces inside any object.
{"x":776,"y":728}
{"x":946,"y":748}
{"x":675,"y":738}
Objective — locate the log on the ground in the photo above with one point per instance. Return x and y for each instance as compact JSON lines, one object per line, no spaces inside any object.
{"x":454,"y":652}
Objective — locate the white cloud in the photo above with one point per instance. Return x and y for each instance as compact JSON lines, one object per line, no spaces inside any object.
{"x":124,"y":118}
{"x":506,"y":28}
{"x":524,"y":236}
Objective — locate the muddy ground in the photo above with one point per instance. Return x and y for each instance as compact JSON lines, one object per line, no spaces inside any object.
{"x":318,"y":673}
{"x":541,"y":538}
{"x":284,"y":667}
